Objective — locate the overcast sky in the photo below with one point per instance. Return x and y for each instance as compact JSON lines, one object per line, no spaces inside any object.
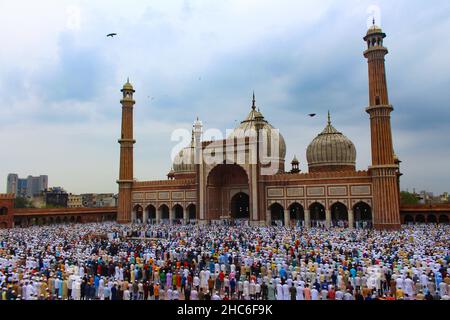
{"x":61,"y":77}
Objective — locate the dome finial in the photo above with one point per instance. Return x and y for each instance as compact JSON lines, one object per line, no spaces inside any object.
{"x":254,"y":101}
{"x":373,"y":21}
{"x":329,"y":118}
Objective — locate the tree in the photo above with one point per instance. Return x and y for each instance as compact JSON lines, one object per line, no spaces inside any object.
{"x":408,"y":198}
{"x":21,"y":203}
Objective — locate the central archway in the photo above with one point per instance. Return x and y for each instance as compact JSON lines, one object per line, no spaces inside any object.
{"x":240,"y":206}
{"x":227,"y":191}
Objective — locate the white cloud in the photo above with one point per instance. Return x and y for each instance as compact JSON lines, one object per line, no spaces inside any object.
{"x":203,"y":58}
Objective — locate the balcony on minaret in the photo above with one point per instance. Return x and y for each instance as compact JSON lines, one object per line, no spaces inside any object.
{"x":128,"y":92}
{"x":374,"y":39}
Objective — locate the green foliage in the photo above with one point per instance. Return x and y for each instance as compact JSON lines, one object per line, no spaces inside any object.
{"x":21,"y":203}
{"x":408,"y":198}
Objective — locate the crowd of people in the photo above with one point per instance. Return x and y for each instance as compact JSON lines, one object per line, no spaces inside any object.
{"x":107,"y":261}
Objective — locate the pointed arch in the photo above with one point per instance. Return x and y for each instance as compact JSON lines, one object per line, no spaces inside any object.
{"x":363,"y":215}
{"x":138,"y":213}
{"x":444,"y":219}
{"x":192,"y":211}
{"x":296,"y":212}
{"x":151,"y":213}
{"x":409,"y":219}
{"x":276,"y":213}
{"x":317,"y":211}
{"x":164,"y":212}
{"x":240,"y":206}
{"x":339,"y":214}
{"x":420,"y":219}
{"x":432,"y":219}
{"x":177,"y":212}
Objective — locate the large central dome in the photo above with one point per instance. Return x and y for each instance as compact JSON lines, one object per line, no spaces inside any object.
{"x":247,"y":128}
{"x":331,"y":151}
{"x":184,"y":165}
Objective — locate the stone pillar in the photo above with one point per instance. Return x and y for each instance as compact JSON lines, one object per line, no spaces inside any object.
{"x":253,"y":193}
{"x":145,"y":216}
{"x":287,"y":218}
{"x":328,"y":218}
{"x":171,"y":215}
{"x":158,"y":216}
{"x":307,"y":218}
{"x":351,"y":219}
{"x":268,"y":218}
{"x":202,"y":195}
{"x":185,"y":216}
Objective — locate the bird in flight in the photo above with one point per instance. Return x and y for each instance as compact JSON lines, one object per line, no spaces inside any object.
{"x":312,"y":115}
{"x":111,"y":35}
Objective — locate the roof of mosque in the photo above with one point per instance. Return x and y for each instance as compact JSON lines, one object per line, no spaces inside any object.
{"x":331,"y":147}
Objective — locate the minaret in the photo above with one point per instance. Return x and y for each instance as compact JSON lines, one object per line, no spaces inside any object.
{"x":386,"y":209}
{"x":197,"y":130}
{"x":126,"y":155}
{"x":295,"y":165}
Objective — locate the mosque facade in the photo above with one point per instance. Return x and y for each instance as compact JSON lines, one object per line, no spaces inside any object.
{"x":244,"y":177}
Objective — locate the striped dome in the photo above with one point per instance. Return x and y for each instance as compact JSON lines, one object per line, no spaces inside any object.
{"x":331,"y":150}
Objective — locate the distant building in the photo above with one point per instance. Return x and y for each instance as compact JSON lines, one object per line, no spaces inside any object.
{"x":88,"y":200}
{"x":35,"y":185}
{"x":75,"y":201}
{"x":430,"y":199}
{"x":101,"y":200}
{"x":426,"y":197}
{"x":105,"y":200}
{"x":29,"y":187}
{"x":38,"y":202}
{"x":12,"y":183}
{"x":56,"y":197}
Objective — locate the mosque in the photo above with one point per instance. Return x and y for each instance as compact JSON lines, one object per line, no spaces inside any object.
{"x":243,"y":177}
